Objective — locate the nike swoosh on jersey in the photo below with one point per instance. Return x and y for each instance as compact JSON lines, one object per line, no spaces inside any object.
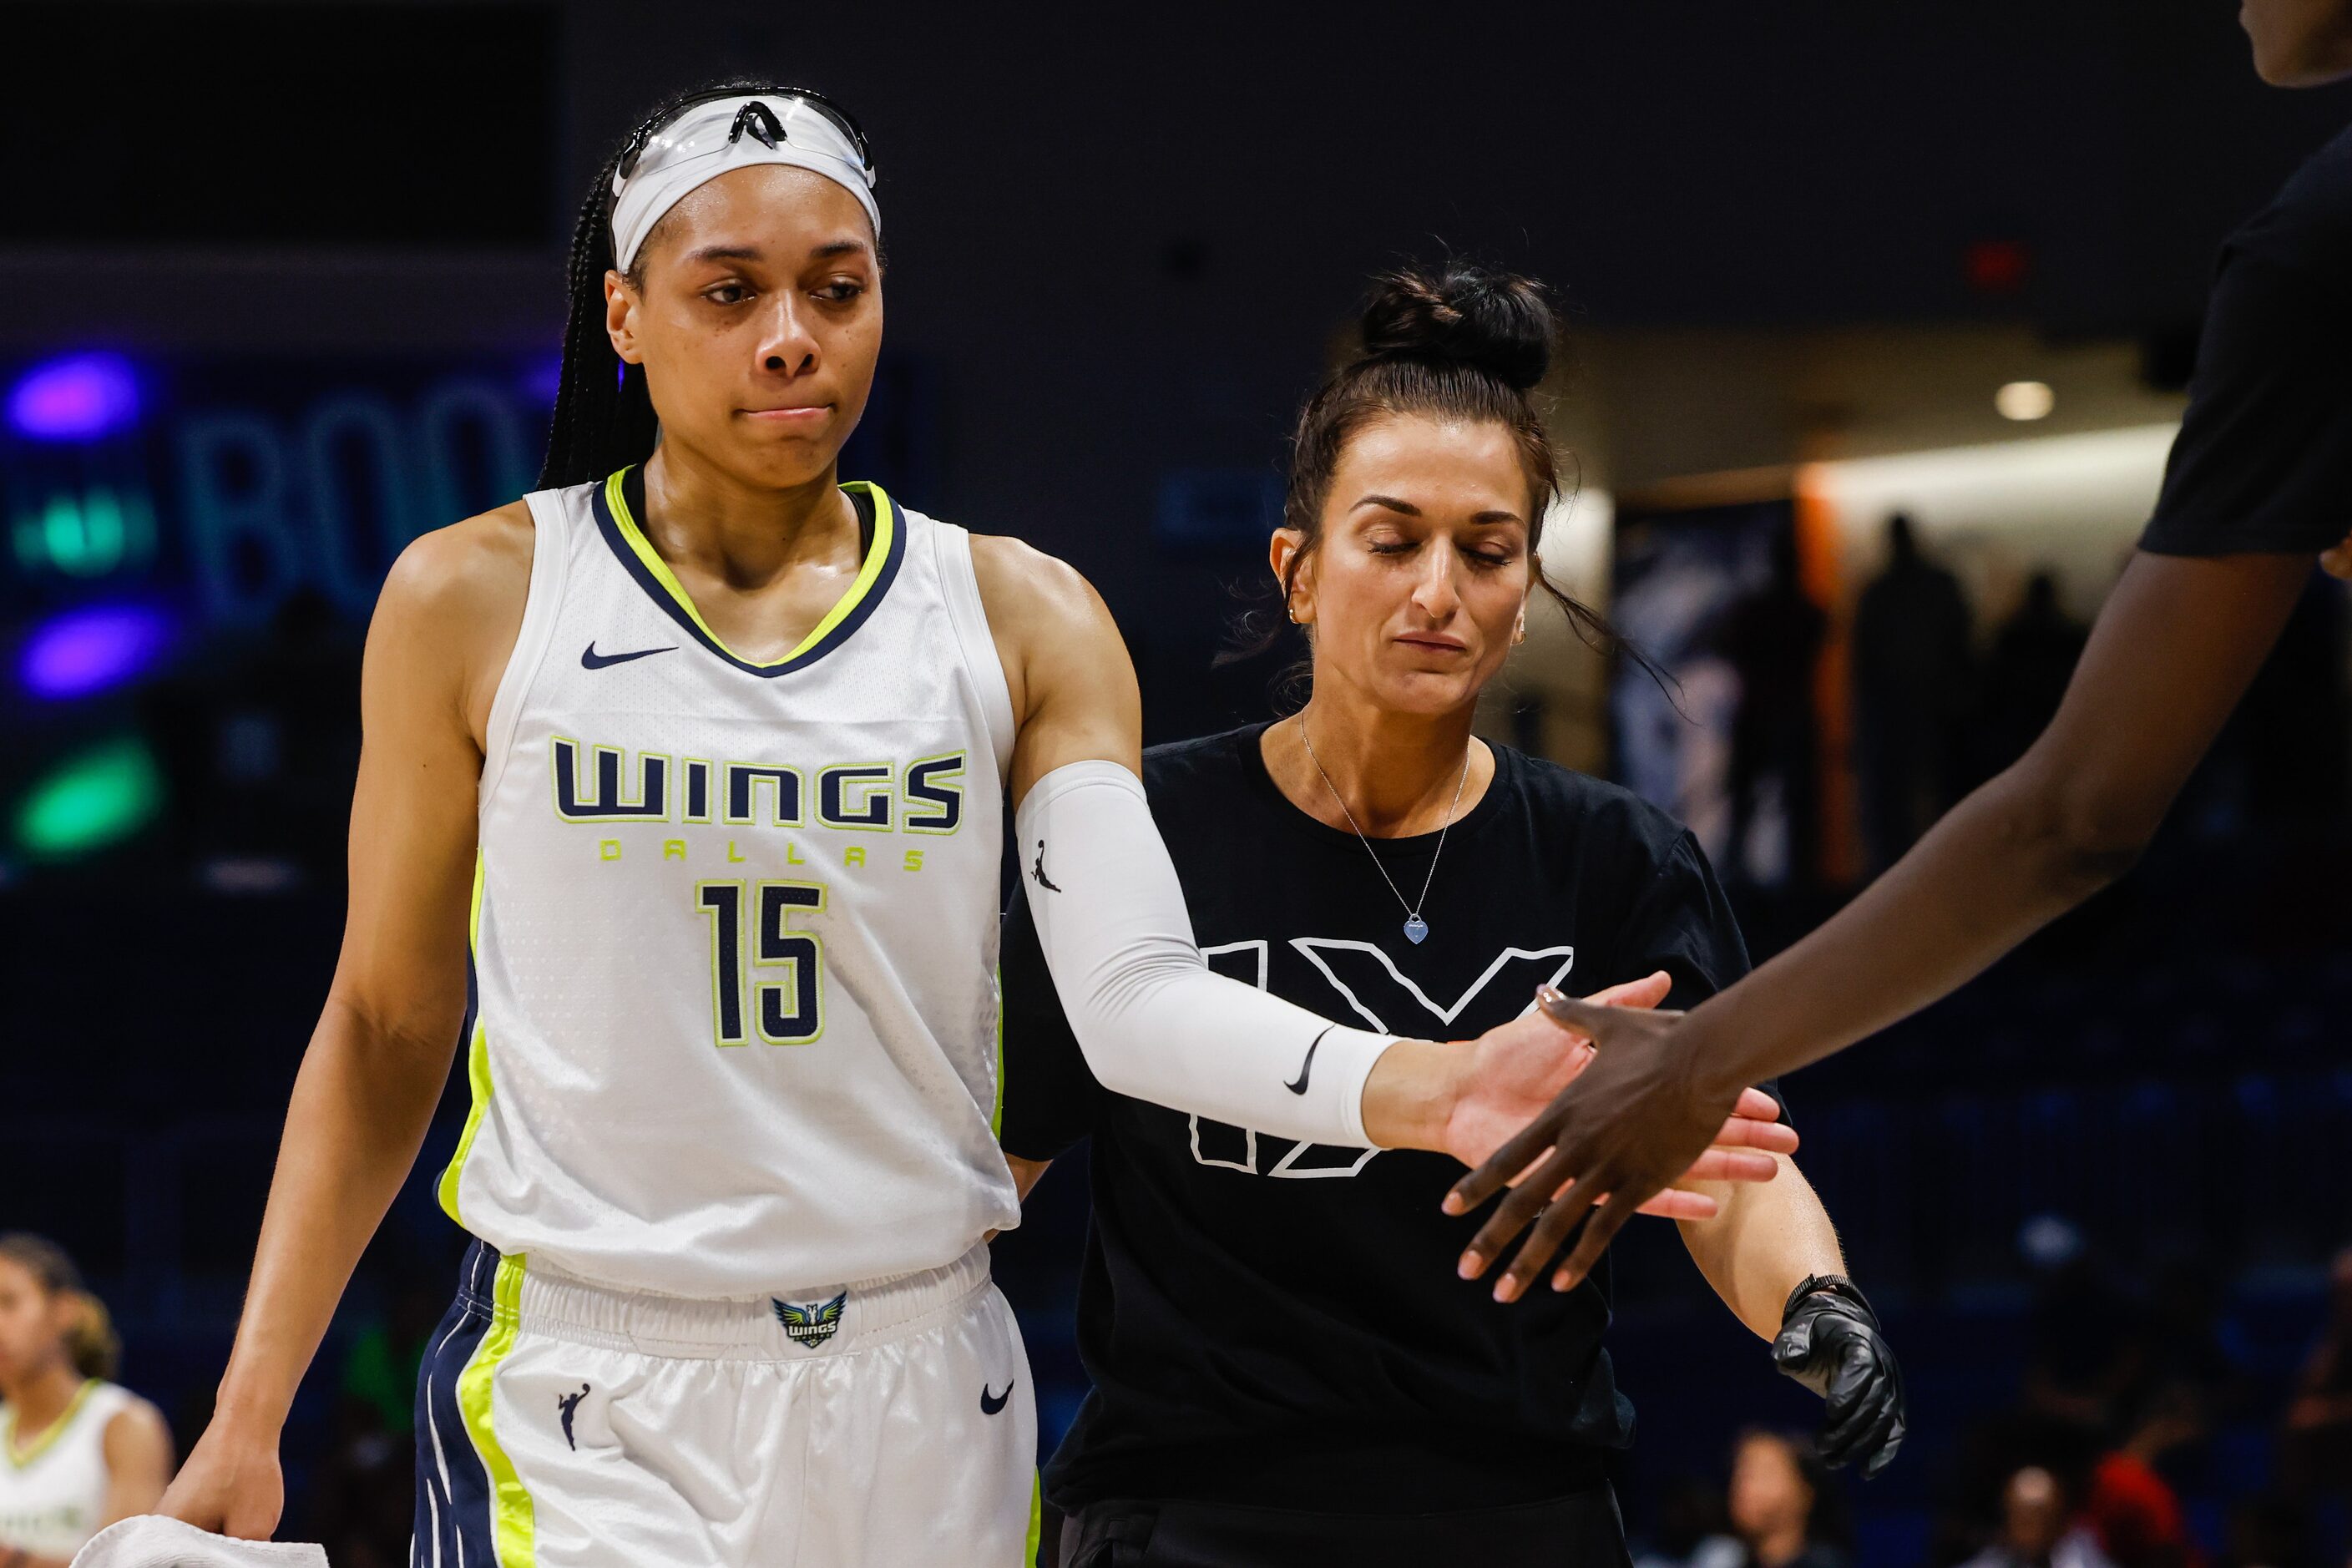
{"x":990,"y":1404}
{"x":591,"y":660}
{"x":1299,"y":1087}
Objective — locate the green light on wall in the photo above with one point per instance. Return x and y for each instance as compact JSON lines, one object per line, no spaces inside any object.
{"x":91,"y":801}
{"x":88,"y":535}
{"x":88,"y":540}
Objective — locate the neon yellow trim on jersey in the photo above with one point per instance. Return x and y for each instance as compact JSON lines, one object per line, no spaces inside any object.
{"x":885,"y":524}
{"x":478,"y":1060}
{"x":996,"y":1112}
{"x":47,"y":1440}
{"x":1036,"y":1521}
{"x":513,"y":1524}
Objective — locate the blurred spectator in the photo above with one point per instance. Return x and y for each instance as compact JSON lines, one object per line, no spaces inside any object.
{"x":2025,"y":675}
{"x":2036,"y":1528}
{"x":1785,"y":1505}
{"x":1911,"y":679}
{"x":1694,"y":1530}
{"x":2082,"y":1351}
{"x":78,"y":1451}
{"x":1976,"y":1489}
{"x":2315,"y":1445}
{"x":2135,"y":1509}
{"x":1773,"y":639}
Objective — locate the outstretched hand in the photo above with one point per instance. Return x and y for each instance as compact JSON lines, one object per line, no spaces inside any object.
{"x":1520,"y":1072}
{"x":1630,"y":1123}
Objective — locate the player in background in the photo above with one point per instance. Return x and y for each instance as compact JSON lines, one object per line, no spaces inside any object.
{"x":2259,"y":479}
{"x":77,"y":1451}
{"x":681,"y":786}
{"x":1284,"y":1367}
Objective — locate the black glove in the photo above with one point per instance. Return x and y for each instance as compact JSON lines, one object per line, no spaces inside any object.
{"x":1830,"y":1342}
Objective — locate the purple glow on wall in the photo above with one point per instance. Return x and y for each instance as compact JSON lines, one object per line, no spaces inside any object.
{"x":544,"y":377}
{"x":86,"y":651}
{"x":78,"y":398}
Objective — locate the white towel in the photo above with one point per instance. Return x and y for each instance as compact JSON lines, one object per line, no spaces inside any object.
{"x":151,"y":1541}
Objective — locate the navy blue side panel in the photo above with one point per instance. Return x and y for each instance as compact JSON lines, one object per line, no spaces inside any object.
{"x":472,"y":1011}
{"x":453,"y":1490}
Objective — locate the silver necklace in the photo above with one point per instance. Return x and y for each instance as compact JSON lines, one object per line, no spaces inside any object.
{"x":1416,"y":930}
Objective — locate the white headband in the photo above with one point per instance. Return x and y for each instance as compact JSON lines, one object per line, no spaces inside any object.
{"x":712,"y":139}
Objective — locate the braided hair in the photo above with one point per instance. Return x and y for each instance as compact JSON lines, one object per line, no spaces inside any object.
{"x":604,"y":414}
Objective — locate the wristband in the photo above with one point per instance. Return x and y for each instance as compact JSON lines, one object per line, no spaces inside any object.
{"x":1835,"y":1285}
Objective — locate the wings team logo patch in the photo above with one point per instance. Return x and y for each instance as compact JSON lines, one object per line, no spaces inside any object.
{"x":811,"y":1325}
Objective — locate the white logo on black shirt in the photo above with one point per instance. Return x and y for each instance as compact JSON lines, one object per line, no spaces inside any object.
{"x":1377,"y":992}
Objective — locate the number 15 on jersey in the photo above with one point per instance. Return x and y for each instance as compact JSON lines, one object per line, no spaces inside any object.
{"x":783,"y":999}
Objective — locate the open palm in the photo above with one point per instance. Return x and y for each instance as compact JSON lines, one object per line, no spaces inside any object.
{"x":1519,"y":1069}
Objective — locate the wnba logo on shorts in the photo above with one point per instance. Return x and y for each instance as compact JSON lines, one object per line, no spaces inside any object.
{"x":810,"y":1326}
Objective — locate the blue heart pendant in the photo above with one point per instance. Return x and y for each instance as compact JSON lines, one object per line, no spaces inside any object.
{"x":1416,"y":930}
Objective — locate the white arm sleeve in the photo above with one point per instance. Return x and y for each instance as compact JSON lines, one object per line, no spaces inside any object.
{"x":1154,"y":1021}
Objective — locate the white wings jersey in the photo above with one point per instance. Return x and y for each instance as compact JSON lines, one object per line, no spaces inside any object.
{"x":735,"y":926}
{"x":53,"y":1489}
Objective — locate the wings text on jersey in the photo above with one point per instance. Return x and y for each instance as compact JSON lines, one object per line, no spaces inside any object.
{"x":596,"y":783}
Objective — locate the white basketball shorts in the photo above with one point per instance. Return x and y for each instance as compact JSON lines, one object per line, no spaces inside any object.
{"x":563,"y":1426}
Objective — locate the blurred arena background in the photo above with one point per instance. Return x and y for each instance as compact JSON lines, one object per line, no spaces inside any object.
{"x":284,"y":290}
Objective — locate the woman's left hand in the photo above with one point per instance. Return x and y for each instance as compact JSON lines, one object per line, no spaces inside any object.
{"x":1829,"y":1342}
{"x":1519,"y":1069}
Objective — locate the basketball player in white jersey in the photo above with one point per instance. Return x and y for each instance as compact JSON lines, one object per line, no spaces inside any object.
{"x":683,"y":778}
{"x":77,"y":1451}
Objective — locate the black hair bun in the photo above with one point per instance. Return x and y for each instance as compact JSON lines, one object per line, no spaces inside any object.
{"x":1461,"y":314}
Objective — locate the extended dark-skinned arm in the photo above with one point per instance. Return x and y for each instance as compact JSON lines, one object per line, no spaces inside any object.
{"x":2174,"y":650}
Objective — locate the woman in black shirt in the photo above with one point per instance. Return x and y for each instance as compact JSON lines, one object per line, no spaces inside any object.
{"x":1286,"y":1367}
